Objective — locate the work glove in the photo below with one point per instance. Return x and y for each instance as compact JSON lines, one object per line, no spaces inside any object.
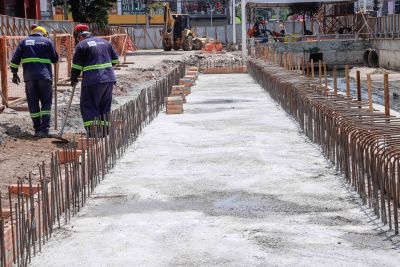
{"x":74,"y":81}
{"x":16,"y":79}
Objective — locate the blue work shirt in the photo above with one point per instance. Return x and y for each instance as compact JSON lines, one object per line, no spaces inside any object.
{"x":94,"y":57}
{"x":35,"y":53}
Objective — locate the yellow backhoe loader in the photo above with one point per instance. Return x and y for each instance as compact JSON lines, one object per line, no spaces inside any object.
{"x":177,"y":32}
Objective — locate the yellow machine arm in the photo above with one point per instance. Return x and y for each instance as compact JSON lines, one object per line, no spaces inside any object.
{"x":168,"y":19}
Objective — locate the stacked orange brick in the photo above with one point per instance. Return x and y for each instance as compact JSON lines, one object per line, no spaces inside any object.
{"x":175,"y":101}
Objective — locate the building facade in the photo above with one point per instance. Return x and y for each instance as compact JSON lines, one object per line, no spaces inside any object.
{"x":21,"y":8}
{"x":150,"y":12}
{"x":201,"y":12}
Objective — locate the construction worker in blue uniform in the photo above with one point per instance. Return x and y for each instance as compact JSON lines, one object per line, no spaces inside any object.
{"x":94,"y":58}
{"x":36,"y":53}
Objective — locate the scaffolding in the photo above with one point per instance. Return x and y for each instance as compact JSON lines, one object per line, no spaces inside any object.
{"x":341,"y":18}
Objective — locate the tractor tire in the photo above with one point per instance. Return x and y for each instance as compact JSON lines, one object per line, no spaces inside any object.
{"x":188,"y":43}
{"x":166,"y":46}
{"x":197,"y":44}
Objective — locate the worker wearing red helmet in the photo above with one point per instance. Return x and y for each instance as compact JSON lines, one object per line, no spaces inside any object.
{"x":79,"y":29}
{"x":94,"y":58}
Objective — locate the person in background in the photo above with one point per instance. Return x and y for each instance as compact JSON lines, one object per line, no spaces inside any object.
{"x":36,"y":53}
{"x":282,"y":30}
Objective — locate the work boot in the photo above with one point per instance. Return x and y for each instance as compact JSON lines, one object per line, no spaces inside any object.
{"x":41,"y":134}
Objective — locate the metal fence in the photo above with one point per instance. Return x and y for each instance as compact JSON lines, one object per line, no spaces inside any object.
{"x":13,"y":26}
{"x":64,"y":45}
{"x":385,"y":27}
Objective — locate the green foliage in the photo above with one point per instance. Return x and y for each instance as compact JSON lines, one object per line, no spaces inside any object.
{"x":284,"y":13}
{"x":304,"y":8}
{"x":88,"y":11}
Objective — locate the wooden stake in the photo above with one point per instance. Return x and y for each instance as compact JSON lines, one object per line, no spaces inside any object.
{"x":369,"y":92}
{"x":312,"y":69}
{"x":56,"y":70}
{"x":386,"y":93}
{"x":358,"y":86}
{"x":284,"y":60}
{"x":335,"y":80}
{"x":346,"y":72}
{"x":4,"y":70}
{"x":326,"y":80}
{"x":320,"y":72}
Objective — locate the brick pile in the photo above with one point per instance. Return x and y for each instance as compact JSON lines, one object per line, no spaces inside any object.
{"x":177,"y":98}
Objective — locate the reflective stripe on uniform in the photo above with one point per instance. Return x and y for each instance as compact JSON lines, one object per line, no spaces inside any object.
{"x":12,"y":65}
{"x":97,"y":66}
{"x":35,"y":59}
{"x":36,"y":115}
{"x":90,"y":123}
{"x":87,"y":123}
{"x":115,"y":61}
{"x":78,"y":67}
{"x":45,"y":112}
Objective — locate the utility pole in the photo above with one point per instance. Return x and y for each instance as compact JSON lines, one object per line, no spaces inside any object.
{"x":234,"y":22}
{"x":209,"y":5}
{"x":211,"y":10}
{"x":50,"y":8}
{"x":244,"y":41}
{"x":65,"y":9}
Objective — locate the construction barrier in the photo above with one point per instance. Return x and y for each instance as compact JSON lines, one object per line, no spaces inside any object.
{"x":15,"y":26}
{"x":121,"y":44}
{"x":64,"y":45}
{"x":10,"y":91}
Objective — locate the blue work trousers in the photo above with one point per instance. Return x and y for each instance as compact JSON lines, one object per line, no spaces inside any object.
{"x":96,"y":103}
{"x":39,"y":94}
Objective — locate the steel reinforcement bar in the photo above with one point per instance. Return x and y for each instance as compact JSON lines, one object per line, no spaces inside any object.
{"x":37,"y":207}
{"x":364,"y":145}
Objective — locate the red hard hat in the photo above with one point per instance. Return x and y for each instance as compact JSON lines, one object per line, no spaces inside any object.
{"x":81,"y":27}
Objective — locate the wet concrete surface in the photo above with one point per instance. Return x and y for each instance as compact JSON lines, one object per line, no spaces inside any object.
{"x":231,"y":182}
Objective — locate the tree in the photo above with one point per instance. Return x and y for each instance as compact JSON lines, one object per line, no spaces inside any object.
{"x":302,"y":9}
{"x":88,"y":11}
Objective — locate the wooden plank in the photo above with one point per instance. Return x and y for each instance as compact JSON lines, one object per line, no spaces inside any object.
{"x":386,"y":94}
{"x":3,"y":69}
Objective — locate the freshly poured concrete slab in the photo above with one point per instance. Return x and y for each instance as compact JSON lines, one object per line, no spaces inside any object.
{"x":231,"y":182}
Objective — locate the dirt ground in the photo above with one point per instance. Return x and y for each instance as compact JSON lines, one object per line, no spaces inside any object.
{"x":20,"y":152}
